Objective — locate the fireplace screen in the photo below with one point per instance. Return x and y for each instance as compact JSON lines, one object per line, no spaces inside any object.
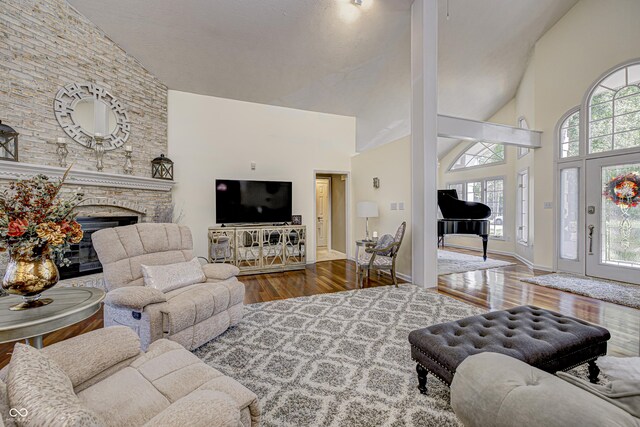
{"x":82,"y":256}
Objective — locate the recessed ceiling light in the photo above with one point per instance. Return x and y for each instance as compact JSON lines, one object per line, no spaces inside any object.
{"x":357,"y":2}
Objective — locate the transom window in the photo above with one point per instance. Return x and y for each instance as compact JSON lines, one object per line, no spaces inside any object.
{"x":614,"y":111}
{"x":570,"y":135}
{"x":489,"y":191}
{"x":479,"y":154}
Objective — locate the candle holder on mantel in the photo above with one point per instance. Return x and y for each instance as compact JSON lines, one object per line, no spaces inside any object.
{"x":99,"y":149}
{"x":128,"y":166}
{"x":62,"y":152}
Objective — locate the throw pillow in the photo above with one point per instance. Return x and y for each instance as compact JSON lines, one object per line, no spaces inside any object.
{"x":620,"y":368}
{"x":42,"y":394}
{"x":625,"y":394}
{"x":4,"y":407}
{"x":168,"y":277}
{"x":383,"y":242}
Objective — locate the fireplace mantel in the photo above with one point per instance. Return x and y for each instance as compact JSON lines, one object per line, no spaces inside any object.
{"x":16,"y":170}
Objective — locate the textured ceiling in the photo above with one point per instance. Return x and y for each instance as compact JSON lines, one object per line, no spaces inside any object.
{"x":330,"y":55}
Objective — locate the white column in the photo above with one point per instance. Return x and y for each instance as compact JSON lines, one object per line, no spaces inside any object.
{"x":424,"y":139}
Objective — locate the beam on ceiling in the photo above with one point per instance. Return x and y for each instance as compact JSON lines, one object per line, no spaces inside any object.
{"x":473,"y":130}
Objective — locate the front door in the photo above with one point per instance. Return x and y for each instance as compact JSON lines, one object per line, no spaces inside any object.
{"x":322,"y":212}
{"x":613,"y":218}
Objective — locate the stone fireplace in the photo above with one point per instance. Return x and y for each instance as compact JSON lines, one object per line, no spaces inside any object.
{"x":65,"y":48}
{"x":110,"y":200}
{"x":83,"y":257}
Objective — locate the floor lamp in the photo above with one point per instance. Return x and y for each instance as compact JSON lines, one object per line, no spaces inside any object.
{"x":367,"y":210}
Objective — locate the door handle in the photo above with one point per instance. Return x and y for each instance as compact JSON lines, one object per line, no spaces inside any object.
{"x":591,"y":227}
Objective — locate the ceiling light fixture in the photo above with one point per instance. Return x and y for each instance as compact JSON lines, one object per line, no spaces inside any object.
{"x":357,"y":2}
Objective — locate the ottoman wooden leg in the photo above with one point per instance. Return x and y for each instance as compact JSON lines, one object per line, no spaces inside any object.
{"x":422,"y":378}
{"x":593,"y":371}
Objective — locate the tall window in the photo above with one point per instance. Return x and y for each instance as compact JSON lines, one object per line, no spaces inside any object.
{"x":494,"y":198}
{"x":522,"y":218}
{"x":614,"y":111}
{"x":570,"y":135}
{"x":459,"y":187}
{"x":522,"y":124}
{"x":474,"y":191}
{"x":479,"y":154}
{"x":489,"y":191}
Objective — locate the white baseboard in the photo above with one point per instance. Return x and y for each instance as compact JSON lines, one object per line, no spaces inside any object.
{"x":505,"y":253}
{"x":405,"y":277}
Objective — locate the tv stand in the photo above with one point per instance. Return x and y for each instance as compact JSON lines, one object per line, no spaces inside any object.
{"x":258,"y":249}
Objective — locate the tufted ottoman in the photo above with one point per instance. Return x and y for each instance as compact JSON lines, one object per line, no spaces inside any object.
{"x":544,"y":339}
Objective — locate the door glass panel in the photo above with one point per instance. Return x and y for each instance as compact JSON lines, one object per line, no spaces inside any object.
{"x":620,"y":216}
{"x":569,"y":187}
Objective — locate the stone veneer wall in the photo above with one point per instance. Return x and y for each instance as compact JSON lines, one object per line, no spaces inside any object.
{"x":47,"y":44}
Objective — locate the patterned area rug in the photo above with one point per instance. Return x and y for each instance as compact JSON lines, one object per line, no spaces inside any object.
{"x":605,"y":290}
{"x":456,"y":262}
{"x":338,"y":359}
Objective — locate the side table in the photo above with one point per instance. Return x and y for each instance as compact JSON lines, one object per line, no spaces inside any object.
{"x":362,"y":244}
{"x":69,"y":306}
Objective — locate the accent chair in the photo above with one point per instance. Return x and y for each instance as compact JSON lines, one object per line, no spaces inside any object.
{"x":191,"y":315}
{"x":382,"y":256}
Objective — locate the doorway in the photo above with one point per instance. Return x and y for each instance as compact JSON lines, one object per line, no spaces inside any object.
{"x":331,"y":216}
{"x":613,"y":218}
{"x":599,"y":217}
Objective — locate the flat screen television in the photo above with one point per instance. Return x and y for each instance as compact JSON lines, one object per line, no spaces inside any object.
{"x":252,"y":201}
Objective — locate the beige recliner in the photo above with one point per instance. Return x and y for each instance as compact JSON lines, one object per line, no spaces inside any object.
{"x":102,"y":379}
{"x":190,"y":316}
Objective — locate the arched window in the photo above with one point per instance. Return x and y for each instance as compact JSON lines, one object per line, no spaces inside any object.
{"x":570,"y":135}
{"x":479,"y":154}
{"x":614,"y":111}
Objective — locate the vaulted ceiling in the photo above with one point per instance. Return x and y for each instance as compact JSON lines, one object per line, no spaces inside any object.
{"x":331,"y":55}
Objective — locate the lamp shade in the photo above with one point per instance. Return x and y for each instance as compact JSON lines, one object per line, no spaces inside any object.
{"x":367,"y":210}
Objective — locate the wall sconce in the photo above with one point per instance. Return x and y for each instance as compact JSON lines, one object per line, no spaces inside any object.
{"x":376,"y":182}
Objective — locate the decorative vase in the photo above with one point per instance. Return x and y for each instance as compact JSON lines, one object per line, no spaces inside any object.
{"x":29,"y":273}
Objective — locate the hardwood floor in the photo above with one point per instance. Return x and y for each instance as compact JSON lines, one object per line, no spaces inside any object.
{"x":501,"y":288}
{"x":493,"y":289}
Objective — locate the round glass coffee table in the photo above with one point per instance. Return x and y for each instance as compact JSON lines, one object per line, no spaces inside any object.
{"x":69,"y":306}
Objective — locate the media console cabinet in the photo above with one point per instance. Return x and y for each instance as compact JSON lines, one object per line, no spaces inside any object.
{"x":259,"y":248}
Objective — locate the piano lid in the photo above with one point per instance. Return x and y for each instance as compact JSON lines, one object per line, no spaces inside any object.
{"x":454,"y":208}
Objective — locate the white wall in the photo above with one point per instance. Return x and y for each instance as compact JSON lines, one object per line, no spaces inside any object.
{"x":213,"y":138}
{"x":591,"y":38}
{"x":392,"y":164}
{"x":505,"y":116}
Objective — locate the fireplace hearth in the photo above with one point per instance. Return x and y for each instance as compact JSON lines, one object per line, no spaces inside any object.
{"x":83,"y":257}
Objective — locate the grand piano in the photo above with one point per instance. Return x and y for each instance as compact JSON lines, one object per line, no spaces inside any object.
{"x":460,"y":217}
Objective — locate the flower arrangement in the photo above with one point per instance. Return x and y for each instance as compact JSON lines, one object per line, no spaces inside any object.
{"x":35,"y":220}
{"x":624,"y":190}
